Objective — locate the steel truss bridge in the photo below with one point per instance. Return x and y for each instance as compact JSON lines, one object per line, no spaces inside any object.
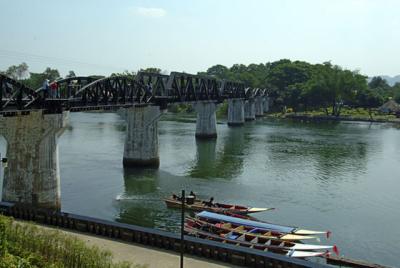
{"x":88,"y":93}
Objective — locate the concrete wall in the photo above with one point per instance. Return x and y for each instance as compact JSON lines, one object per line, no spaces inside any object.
{"x":259,"y":110}
{"x":249,"y":110}
{"x":206,"y":123}
{"x":141,"y":142}
{"x":32,"y":175}
{"x":235,"y":112}
{"x":266,"y":104}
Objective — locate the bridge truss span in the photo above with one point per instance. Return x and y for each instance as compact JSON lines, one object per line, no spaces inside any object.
{"x":83,"y":93}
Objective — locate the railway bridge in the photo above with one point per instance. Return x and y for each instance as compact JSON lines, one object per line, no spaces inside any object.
{"x":31,"y":121}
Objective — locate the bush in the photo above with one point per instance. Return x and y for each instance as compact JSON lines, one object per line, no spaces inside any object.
{"x":222,"y":110}
{"x":26,"y":245}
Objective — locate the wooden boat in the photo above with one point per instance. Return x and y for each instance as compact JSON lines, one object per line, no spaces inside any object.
{"x":217,"y":218}
{"x":241,"y":240}
{"x":200,"y":205}
{"x":223,"y":227}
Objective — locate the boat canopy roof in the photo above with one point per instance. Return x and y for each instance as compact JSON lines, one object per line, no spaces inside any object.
{"x":244,"y":222}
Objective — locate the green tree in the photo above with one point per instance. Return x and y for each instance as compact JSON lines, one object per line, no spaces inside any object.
{"x":396,"y":92}
{"x":51,"y":74}
{"x":70,"y":74}
{"x":151,"y":70}
{"x":219,"y":71}
{"x":18,"y":72}
{"x":380,"y":85}
{"x":378,"y":82}
{"x":369,"y":99}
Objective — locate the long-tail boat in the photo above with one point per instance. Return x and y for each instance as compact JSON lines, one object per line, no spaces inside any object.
{"x":256,"y":244}
{"x":252,"y":224}
{"x":201,"y":205}
{"x":225,"y":227}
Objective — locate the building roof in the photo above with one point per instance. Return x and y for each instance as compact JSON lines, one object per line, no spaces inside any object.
{"x":390,"y":106}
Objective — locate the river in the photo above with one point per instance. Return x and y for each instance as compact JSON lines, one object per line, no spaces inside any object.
{"x":343,"y":177}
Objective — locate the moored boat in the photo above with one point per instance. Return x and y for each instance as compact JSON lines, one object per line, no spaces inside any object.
{"x":201,"y":205}
{"x":213,"y":217}
{"x":226,"y":227}
{"x":267,"y":245}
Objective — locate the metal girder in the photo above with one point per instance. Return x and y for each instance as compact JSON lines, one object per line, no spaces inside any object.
{"x":14,"y":94}
{"x":182,"y":87}
{"x":110,"y":90}
{"x":145,"y":87}
{"x":231,"y":89}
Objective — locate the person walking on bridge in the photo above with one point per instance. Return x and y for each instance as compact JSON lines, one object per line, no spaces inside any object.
{"x":54,"y":90}
{"x":46,"y":88}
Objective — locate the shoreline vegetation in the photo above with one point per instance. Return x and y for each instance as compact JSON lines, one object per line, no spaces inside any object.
{"x":28,"y":246}
{"x":297,"y":84}
{"x":347,"y":114}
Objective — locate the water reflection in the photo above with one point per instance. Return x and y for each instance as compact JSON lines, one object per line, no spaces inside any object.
{"x":135,"y":205}
{"x":231,"y":158}
{"x":343,"y":177}
{"x":205,"y":159}
{"x":336,"y":160}
{"x":227,"y":163}
{"x":327,"y":151}
{"x":140,"y":181}
{"x":142,"y":200}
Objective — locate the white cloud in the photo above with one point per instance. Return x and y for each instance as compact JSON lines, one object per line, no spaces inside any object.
{"x":151,"y":12}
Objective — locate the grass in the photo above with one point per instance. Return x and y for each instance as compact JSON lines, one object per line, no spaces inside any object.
{"x":25,"y":246}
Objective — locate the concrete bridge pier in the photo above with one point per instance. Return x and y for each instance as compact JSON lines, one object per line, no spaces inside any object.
{"x":141,"y":142}
{"x":249,"y":110}
{"x":259,"y":106}
{"x":235,"y":112}
{"x":266,"y":104}
{"x":206,"y":124}
{"x":32,"y":176}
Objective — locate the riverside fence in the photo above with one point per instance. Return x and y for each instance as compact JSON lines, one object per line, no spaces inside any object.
{"x":155,"y":238}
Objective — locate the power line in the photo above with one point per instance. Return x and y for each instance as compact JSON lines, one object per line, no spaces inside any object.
{"x":53,"y":60}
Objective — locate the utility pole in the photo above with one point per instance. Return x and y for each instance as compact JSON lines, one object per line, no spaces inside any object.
{"x":182,"y":225}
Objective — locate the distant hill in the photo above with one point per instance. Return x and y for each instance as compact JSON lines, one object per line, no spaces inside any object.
{"x":391,"y":80}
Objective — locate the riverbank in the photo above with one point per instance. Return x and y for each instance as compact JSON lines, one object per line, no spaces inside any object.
{"x":140,"y":255}
{"x":24,"y":244}
{"x":318,"y":117}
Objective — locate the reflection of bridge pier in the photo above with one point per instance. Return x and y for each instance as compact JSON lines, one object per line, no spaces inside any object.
{"x":230,"y":160}
{"x":138,"y":184}
{"x":32,"y":176}
{"x":204,"y":165}
{"x":228,"y":163}
{"x":138,"y":181}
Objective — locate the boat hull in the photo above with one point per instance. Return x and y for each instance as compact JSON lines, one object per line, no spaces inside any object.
{"x":199,"y":206}
{"x":290,"y":252}
{"x":258,"y":224}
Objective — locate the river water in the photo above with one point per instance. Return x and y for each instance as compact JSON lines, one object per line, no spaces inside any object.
{"x":342,"y":177}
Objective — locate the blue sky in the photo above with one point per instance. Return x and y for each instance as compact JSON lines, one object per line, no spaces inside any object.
{"x":101,"y":37}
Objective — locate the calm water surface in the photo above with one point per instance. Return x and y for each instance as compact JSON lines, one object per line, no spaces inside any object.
{"x":342,"y":177}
